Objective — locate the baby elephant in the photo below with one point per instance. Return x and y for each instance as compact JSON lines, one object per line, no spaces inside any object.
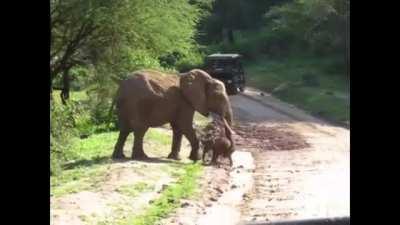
{"x":217,"y":136}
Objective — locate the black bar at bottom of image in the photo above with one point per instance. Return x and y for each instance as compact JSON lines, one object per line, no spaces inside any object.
{"x":318,"y":221}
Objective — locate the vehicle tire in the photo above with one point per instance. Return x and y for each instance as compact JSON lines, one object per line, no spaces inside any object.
{"x":232,"y":89}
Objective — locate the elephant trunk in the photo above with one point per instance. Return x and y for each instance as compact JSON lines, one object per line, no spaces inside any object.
{"x":221,"y":105}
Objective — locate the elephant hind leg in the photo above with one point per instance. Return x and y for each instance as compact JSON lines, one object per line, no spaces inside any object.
{"x":119,"y":146}
{"x":137,"y":151}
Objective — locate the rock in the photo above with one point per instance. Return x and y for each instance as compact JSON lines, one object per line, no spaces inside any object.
{"x":163,"y":187}
{"x":151,"y":201}
{"x":219,"y":190}
{"x":234,"y":186}
{"x":84,"y":136}
{"x":185,"y":204}
{"x":213,"y":199}
{"x":262,"y":94}
{"x":208,"y":205}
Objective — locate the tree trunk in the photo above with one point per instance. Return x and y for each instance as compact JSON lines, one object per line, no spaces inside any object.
{"x":66,"y":87}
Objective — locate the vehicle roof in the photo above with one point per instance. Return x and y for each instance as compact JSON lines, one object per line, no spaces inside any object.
{"x":223,"y":56}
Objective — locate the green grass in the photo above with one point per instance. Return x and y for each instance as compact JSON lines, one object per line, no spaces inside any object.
{"x":329,"y":98}
{"x":169,"y":198}
{"x":76,"y":180}
{"x":90,"y":160}
{"x":95,"y":146}
{"x":74,"y":95}
{"x":136,"y":189}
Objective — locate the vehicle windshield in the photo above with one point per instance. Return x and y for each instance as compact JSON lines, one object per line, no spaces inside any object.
{"x":221,"y":64}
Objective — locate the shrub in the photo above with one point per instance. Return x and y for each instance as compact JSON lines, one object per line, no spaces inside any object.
{"x":61,"y":132}
{"x":190,"y":61}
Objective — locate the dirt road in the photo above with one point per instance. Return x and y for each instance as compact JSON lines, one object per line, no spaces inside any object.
{"x":300,"y":168}
{"x":293,"y":183}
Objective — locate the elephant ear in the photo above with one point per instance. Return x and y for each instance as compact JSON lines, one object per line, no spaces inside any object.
{"x":215,"y":88}
{"x":194,"y":85}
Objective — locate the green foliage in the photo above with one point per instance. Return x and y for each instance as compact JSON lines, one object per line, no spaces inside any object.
{"x":280,"y":28}
{"x":67,"y":123}
{"x":190,"y":61}
{"x":306,"y":81}
{"x":61,"y":132}
{"x":319,"y":23}
{"x":234,"y":15}
{"x":109,"y":39}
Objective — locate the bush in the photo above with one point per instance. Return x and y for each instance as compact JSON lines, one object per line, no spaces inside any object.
{"x":61,"y":132}
{"x":310,"y":80}
{"x":254,"y":43}
{"x":190,"y":61}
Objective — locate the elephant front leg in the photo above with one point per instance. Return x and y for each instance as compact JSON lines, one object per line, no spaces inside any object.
{"x":176,"y":144}
{"x":137,"y":151}
{"x":118,"y":149}
{"x":190,"y":134}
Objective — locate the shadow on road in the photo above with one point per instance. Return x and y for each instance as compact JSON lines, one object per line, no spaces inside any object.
{"x":109,"y":160}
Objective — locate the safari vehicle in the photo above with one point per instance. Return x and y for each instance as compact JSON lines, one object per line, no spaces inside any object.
{"x":228,"y":69}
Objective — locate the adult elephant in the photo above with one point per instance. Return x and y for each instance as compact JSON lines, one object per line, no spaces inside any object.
{"x":150,"y":98}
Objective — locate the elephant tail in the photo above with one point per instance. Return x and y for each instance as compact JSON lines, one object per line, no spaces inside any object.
{"x":116,"y":103}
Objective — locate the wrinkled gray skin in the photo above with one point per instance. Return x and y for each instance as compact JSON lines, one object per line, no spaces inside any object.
{"x":150,"y":98}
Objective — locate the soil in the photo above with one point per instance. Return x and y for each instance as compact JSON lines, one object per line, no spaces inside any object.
{"x":269,"y":137}
{"x":302,"y":163}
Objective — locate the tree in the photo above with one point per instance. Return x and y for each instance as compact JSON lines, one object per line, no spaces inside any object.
{"x":74,"y":25}
{"x":320,"y":23}
{"x":226,"y":16}
{"x":117,"y":36}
